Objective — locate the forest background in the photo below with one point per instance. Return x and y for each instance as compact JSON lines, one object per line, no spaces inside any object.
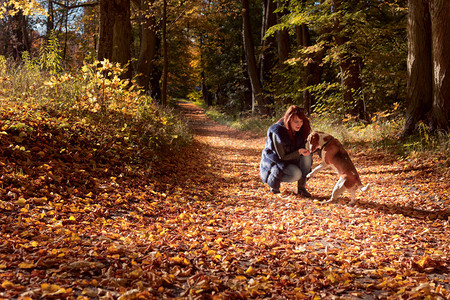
{"x":352,"y":59}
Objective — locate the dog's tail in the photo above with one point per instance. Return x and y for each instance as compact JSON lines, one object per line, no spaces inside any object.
{"x":365,"y":188}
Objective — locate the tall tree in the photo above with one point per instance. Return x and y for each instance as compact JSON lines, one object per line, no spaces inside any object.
{"x":148,"y":45}
{"x":115,"y":33}
{"x":20,"y":37}
{"x":50,"y":18}
{"x":428,"y":88}
{"x":122,"y":35}
{"x":312,"y":66}
{"x":106,"y":30}
{"x":259,"y":99}
{"x":268,"y":43}
{"x":165,"y":54}
{"x":440,"y":27}
{"x":284,"y":48}
{"x":350,"y":64}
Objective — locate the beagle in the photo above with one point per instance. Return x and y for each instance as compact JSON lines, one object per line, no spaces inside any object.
{"x":334,"y":155}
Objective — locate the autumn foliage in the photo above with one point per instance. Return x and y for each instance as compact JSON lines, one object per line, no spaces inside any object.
{"x":84,"y":214}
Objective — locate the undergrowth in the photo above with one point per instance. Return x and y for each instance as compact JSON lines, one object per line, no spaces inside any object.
{"x":96,"y":98}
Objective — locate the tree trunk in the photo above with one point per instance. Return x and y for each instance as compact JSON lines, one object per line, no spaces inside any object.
{"x":313,"y":70}
{"x":350,"y":68}
{"x":122,"y":36}
{"x":267,"y":56}
{"x":26,"y":36}
{"x":106,"y":30}
{"x":206,"y":94}
{"x":440,"y":27}
{"x":50,"y":24}
{"x":165,"y":58}
{"x":419,"y":63}
{"x":258,"y":98}
{"x":283,"y":40}
{"x":148,"y":46}
{"x":19,"y":39}
{"x":155,"y":79}
{"x":284,"y":48}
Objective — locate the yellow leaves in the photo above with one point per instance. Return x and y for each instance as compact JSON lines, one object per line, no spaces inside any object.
{"x":29,"y":7}
{"x":21,"y":202}
{"x":53,"y":290}
{"x":25,"y":265}
{"x":7,"y":285}
{"x":179,"y":260}
{"x":424,"y":261}
{"x":250,"y":271}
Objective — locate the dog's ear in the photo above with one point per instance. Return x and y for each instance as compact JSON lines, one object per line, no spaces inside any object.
{"x":313,"y":140}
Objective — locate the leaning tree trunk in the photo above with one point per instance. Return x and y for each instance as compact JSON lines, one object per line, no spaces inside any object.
{"x":440,"y":27}
{"x":419,"y":63}
{"x":258,"y":98}
{"x":148,"y":46}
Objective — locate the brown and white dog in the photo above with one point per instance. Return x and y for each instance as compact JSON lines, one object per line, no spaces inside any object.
{"x":334,"y":155}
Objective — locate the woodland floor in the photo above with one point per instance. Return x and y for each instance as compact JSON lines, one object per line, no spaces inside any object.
{"x":205,"y":226}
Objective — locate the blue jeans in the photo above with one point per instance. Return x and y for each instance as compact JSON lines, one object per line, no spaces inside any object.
{"x":294,"y":172}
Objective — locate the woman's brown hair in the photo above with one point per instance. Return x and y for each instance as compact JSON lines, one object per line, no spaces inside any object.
{"x":292,"y":111}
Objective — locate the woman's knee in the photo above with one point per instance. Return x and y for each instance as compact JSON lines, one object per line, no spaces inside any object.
{"x":292,"y":173}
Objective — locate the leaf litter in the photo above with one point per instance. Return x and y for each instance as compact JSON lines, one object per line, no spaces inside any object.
{"x":80,"y":222}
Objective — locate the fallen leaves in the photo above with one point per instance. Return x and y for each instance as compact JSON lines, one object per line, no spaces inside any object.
{"x":80,"y":220}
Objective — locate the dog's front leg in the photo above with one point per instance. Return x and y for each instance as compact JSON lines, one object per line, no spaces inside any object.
{"x":316,"y":169}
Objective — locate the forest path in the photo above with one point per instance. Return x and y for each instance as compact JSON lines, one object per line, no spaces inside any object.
{"x":394,"y":240}
{"x":397,"y":186}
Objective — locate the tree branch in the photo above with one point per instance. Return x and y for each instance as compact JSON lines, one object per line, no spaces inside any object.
{"x":76,"y":6}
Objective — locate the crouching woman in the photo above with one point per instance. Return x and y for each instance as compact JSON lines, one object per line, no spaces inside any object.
{"x":284,"y":158}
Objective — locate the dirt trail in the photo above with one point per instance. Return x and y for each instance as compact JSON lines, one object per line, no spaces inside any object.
{"x":393,"y":242}
{"x":419,"y":189}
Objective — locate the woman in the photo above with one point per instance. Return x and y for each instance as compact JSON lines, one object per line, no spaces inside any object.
{"x":284,"y":158}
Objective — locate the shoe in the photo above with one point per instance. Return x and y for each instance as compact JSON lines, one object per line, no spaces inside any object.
{"x":301,"y":190}
{"x":274,"y":191}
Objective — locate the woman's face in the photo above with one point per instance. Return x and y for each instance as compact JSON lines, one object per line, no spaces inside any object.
{"x":296,"y":123}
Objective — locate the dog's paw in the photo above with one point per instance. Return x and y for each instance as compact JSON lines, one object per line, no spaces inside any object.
{"x":328,"y":201}
{"x":352,"y":203}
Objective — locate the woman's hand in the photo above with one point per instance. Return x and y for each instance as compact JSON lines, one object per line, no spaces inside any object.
{"x":303,"y":152}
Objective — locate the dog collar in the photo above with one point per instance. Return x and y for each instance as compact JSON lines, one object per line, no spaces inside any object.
{"x":323,"y":146}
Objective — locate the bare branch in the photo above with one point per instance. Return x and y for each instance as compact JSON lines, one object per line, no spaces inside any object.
{"x":77,"y":5}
